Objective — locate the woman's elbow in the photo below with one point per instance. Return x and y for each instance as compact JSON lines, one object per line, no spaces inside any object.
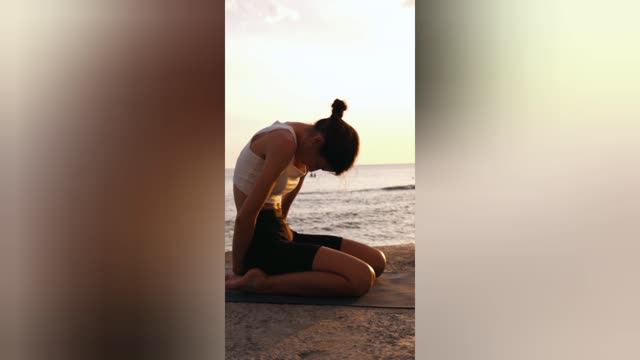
{"x":246,"y":217}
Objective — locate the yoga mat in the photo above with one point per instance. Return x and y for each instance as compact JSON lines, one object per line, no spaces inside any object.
{"x":391,"y":290}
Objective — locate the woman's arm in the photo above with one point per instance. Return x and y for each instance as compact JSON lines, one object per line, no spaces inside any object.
{"x":278,"y":154}
{"x":288,"y":198}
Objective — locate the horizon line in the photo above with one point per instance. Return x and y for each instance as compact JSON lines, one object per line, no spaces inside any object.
{"x":404,"y":163}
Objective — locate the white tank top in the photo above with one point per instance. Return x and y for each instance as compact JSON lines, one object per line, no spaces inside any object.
{"x":249,"y":168}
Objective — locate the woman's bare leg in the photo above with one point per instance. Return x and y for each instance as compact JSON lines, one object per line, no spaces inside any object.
{"x":334,"y":274}
{"x":366,"y":253}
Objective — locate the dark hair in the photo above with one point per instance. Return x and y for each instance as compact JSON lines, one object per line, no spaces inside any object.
{"x":341,"y":141}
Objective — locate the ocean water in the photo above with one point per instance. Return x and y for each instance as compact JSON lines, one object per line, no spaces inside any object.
{"x":373,"y":204}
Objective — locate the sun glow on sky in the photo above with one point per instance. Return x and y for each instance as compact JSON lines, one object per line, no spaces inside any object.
{"x":288,"y":60}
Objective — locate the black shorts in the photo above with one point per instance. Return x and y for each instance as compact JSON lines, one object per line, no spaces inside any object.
{"x":276,"y":249}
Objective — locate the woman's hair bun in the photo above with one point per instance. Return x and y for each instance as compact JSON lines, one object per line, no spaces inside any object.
{"x":338,"y":107}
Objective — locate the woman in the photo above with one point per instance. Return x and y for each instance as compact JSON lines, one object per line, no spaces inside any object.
{"x":268,"y":257}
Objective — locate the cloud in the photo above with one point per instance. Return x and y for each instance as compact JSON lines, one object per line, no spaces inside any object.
{"x":279,"y":12}
{"x":409,"y":3}
{"x":271,"y":11}
{"x":229,"y":5}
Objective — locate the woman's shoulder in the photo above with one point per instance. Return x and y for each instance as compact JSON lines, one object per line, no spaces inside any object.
{"x":282,"y":140}
{"x":277,"y":142}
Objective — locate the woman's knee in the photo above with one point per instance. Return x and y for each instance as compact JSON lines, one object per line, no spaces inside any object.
{"x":360,"y":275}
{"x":362,"y":279}
{"x":380,"y":262}
{"x":370,"y":255}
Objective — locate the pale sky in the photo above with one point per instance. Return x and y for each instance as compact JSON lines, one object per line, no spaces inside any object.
{"x":288,"y":60}
{"x":545,"y":54}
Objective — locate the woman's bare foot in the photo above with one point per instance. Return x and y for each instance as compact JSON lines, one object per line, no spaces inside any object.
{"x":253,"y":280}
{"x":228,"y":277}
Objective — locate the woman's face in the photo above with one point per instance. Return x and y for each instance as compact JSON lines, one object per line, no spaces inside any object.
{"x":311,"y":155}
{"x":318,"y":163}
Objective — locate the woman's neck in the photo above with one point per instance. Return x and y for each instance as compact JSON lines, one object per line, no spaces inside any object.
{"x":303,"y":131}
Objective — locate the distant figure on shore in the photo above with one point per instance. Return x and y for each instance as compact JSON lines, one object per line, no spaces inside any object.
{"x":269,"y":257}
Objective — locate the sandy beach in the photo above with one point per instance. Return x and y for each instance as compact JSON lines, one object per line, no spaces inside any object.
{"x":276,"y":331}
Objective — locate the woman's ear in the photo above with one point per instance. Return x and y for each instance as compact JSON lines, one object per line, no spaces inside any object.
{"x":317,"y":140}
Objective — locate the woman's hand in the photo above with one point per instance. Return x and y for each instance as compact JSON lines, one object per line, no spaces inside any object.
{"x":236,"y":267}
{"x":288,"y":198}
{"x":242,"y":235}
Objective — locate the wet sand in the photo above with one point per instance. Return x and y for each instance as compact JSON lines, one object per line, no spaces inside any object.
{"x":281,"y":331}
